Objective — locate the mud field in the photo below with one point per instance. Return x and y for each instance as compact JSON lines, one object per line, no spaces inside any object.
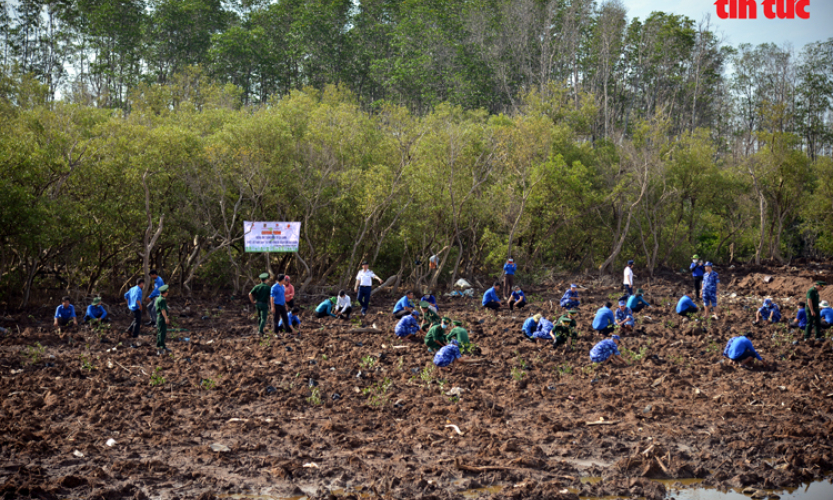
{"x":230,"y":415}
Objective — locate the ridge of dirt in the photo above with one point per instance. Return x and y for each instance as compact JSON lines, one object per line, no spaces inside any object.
{"x":531,"y":416}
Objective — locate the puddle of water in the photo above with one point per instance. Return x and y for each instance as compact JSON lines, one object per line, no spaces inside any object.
{"x":476,"y":492}
{"x":818,"y":490}
{"x":245,"y":496}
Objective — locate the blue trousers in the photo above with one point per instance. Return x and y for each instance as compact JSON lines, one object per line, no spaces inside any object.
{"x":364,"y":297}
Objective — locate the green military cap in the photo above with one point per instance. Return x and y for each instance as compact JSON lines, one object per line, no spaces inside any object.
{"x":565,"y":320}
{"x":821,"y":283}
{"x":264,"y":276}
{"x":424,"y":304}
{"x":572,"y":311}
{"x":446,"y":319}
{"x":163,"y":288}
{"x":97,"y":301}
{"x":457,"y":323}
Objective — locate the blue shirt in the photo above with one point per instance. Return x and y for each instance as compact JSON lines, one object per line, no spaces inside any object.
{"x":65,"y":312}
{"x":627,"y":314}
{"x":635,"y":300}
{"x":326,"y":307}
{"x":710,"y":281}
{"x":518,"y":295}
{"x":801,"y":317}
{"x":509,"y":268}
{"x":737,"y":346}
{"x":293,"y":320}
{"x":406,"y":326}
{"x":430,"y":299}
{"x":570,"y":298}
{"x":97,"y":312}
{"x":603,"y":350}
{"x":545,"y":326}
{"x":446,"y":355}
{"x":604,"y":318}
{"x":490,"y":296}
{"x":132,"y":296}
{"x":156,"y":284}
{"x":402,"y":304}
{"x":697,"y":270}
{"x":685,"y":303}
{"x":278,"y":292}
{"x":826,"y":314}
{"x":530,"y":327}
{"x":766,"y":311}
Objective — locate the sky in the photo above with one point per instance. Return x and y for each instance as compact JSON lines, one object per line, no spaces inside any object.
{"x":797,"y":32}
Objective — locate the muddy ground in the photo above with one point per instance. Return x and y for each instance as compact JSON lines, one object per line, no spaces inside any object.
{"x":86,"y":418}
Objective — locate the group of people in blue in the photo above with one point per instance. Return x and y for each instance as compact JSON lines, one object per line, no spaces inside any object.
{"x":445,"y":337}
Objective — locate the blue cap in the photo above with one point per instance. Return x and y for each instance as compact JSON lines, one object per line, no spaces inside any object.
{"x":708,"y":264}
{"x":415,"y":313}
{"x":573,"y":285}
{"x":630,"y":262}
{"x":455,"y":342}
{"x":622,"y":303}
{"x":616,"y":337}
{"x":767,"y":302}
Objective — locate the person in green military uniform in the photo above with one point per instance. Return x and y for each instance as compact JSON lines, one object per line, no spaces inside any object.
{"x":460,"y":334}
{"x":813,"y":311}
{"x":162,"y":320}
{"x":565,"y":329}
{"x":435,"y":338}
{"x":429,"y":317}
{"x":259,"y":296}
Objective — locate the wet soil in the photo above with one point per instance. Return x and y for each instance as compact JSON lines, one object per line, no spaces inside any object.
{"x":229,"y":413}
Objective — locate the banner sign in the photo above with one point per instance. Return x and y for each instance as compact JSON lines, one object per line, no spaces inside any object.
{"x":271,"y":236}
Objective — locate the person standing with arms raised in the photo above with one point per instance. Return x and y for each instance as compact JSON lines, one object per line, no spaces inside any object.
{"x":508,"y":277}
{"x":364,"y":284}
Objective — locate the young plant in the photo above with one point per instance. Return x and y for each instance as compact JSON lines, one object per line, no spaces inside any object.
{"x":210,"y":384}
{"x":427,"y":374}
{"x":378,"y":394}
{"x":367,"y":363}
{"x":563,"y":370}
{"x":156,"y":378}
{"x":517,"y":373}
{"x":34,"y":352}
{"x":315,"y":397}
{"x":634,"y":356}
{"x":86,"y":364}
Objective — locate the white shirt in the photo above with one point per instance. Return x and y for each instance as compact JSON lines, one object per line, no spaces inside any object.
{"x":343,"y":303}
{"x":365,"y":278}
{"x":628,"y":276}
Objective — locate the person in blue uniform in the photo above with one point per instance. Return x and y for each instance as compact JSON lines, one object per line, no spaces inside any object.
{"x":133,"y":297}
{"x":508,"y":276}
{"x":624,"y":317}
{"x":570,"y":299}
{"x":710,"y":281}
{"x":800,"y":320}
{"x":277,"y":298}
{"x":294,"y":320}
{"x":544,"y":331}
{"x":826,"y":315}
{"x":404,"y":307}
{"x":768,"y":312}
{"x":530,"y":326}
{"x":429,"y":297}
{"x":449,"y":354}
{"x":607,"y":350}
{"x":517,"y":299}
{"x":491,"y":300}
{"x":697,"y":272}
{"x":740,"y":351}
{"x":408,"y":327}
{"x":636,"y":302}
{"x":686,"y":306}
{"x":604,"y":320}
{"x":65,"y":313}
{"x":96,"y":314}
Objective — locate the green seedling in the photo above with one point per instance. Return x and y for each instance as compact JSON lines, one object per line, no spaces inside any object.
{"x":315,"y":397}
{"x":378,"y":393}
{"x":367,"y":363}
{"x":210,"y":384}
{"x":156,"y":378}
{"x":34,"y":352}
{"x":564,"y":370}
{"x":517,"y":373}
{"x":634,"y":356}
{"x":86,"y":364}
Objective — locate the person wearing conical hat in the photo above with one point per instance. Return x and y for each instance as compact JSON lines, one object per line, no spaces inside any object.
{"x":162,"y":320}
{"x":96,"y":314}
{"x":259,"y":296}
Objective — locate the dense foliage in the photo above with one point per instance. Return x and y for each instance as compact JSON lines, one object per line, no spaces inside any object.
{"x":141,"y":134}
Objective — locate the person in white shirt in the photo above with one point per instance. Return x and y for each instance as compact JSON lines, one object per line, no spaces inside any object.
{"x":627,"y":284}
{"x":343,"y":306}
{"x":364,"y":282}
